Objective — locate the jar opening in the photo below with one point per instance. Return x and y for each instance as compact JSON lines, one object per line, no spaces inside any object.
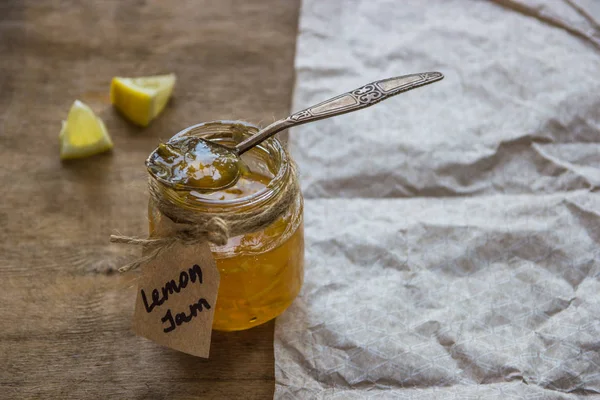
{"x":268,"y":159}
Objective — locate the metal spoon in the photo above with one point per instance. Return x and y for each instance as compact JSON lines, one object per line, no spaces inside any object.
{"x":354,"y":100}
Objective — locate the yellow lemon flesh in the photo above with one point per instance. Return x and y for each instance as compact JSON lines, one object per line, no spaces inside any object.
{"x":83,"y":134}
{"x":141,"y":99}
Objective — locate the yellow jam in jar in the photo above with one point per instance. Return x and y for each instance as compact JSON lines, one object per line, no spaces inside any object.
{"x":261,"y":272}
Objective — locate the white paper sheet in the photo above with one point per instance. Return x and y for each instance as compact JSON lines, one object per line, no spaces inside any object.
{"x":452,"y":232}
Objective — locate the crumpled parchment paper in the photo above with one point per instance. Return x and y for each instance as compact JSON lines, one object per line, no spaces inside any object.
{"x":452,"y":232}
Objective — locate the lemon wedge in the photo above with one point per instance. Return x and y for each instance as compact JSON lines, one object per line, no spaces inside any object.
{"x":83,"y":134}
{"x":141,"y":99}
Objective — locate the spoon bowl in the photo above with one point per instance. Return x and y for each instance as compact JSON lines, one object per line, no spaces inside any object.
{"x":193,"y":163}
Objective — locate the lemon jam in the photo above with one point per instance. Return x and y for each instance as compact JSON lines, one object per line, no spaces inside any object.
{"x":260,"y":272}
{"x":194,"y":163}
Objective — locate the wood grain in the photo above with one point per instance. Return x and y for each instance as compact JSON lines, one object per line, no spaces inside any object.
{"x":65,"y":313}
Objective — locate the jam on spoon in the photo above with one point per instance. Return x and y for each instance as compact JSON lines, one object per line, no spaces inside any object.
{"x":195,"y":163}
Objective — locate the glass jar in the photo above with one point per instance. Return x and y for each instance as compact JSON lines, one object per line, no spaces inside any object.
{"x":260,"y":272}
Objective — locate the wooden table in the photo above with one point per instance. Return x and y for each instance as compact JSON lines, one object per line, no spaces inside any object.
{"x":65,"y":312}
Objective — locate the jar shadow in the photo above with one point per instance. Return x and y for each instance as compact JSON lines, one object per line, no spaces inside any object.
{"x":239,"y":356}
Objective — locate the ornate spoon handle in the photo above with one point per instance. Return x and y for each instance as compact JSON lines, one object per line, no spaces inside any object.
{"x":357,"y":99}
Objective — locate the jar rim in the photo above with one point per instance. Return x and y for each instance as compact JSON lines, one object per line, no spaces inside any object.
{"x":261,"y":195}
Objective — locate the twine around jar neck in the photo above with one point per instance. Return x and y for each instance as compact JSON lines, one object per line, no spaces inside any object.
{"x":195,"y":227}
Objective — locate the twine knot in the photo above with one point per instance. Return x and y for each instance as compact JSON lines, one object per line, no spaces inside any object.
{"x":217,"y":231}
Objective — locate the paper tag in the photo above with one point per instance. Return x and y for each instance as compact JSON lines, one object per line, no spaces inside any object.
{"x":176,"y":299}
